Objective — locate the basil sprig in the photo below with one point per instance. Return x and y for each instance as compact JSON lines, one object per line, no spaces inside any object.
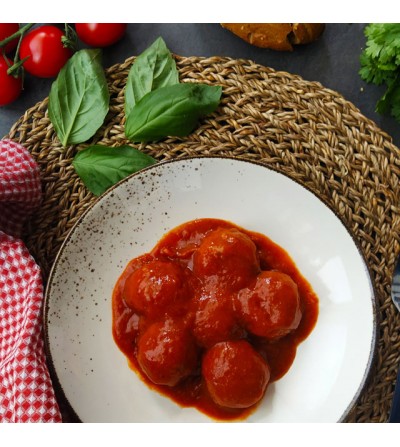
{"x":79,"y":98}
{"x":153,"y":69}
{"x":156,"y":104}
{"x":100,"y":167}
{"x":173,"y":110}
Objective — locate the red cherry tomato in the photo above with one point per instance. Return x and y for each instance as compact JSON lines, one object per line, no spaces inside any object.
{"x":47,"y":54}
{"x":7,"y":30}
{"x":100,"y":34}
{"x":10,"y":87}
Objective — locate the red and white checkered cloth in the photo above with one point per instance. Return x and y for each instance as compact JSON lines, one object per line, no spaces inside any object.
{"x":26,"y":392}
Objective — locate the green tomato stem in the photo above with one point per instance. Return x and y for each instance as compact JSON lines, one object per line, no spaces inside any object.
{"x":70,"y":39}
{"x":18,"y":33}
{"x":14,"y":69}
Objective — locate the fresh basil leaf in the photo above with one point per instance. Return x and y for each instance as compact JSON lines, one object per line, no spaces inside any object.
{"x":79,"y":98}
{"x":100,"y":167}
{"x":171,"y":111}
{"x":153,"y":69}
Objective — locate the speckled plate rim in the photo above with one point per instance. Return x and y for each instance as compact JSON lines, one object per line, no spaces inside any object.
{"x":45,"y":310}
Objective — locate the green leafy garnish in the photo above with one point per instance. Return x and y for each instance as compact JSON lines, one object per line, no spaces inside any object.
{"x":79,"y":98}
{"x":153,"y":69}
{"x":156,"y":104}
{"x":171,"y":110}
{"x":100,"y":167}
{"x":380,"y":64}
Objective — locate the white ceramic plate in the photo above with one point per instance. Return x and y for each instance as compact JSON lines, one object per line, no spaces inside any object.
{"x":331,"y":366}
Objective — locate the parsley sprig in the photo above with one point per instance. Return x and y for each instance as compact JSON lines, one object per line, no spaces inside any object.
{"x":380,"y":64}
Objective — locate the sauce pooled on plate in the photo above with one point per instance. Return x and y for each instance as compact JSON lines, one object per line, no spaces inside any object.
{"x":212,"y":315}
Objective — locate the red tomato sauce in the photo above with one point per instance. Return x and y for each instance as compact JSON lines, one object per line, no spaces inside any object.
{"x":212,"y":315}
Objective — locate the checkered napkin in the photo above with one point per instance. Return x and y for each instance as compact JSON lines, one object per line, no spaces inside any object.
{"x":26,"y":393}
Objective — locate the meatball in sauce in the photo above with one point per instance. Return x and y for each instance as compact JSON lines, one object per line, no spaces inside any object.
{"x":212,"y":315}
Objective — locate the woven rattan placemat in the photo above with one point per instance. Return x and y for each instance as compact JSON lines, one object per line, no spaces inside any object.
{"x":300,"y":128}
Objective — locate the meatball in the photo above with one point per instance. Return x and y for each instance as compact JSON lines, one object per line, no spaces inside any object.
{"x":226,"y":258}
{"x":270,"y":307}
{"x":157,"y":288}
{"x":215,"y":321}
{"x":235,"y":374}
{"x":167,"y":353}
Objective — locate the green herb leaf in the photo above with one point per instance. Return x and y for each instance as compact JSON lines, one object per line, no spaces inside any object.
{"x":384,"y":104}
{"x":171,"y":111}
{"x":79,"y":98}
{"x":390,"y":101}
{"x":153,"y":69}
{"x":380,"y":64}
{"x":100,"y":167}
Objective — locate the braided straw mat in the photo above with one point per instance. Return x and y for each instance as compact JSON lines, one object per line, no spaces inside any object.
{"x":300,"y":128}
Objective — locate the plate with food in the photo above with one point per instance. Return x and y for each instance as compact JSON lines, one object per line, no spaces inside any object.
{"x":210,"y":289}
